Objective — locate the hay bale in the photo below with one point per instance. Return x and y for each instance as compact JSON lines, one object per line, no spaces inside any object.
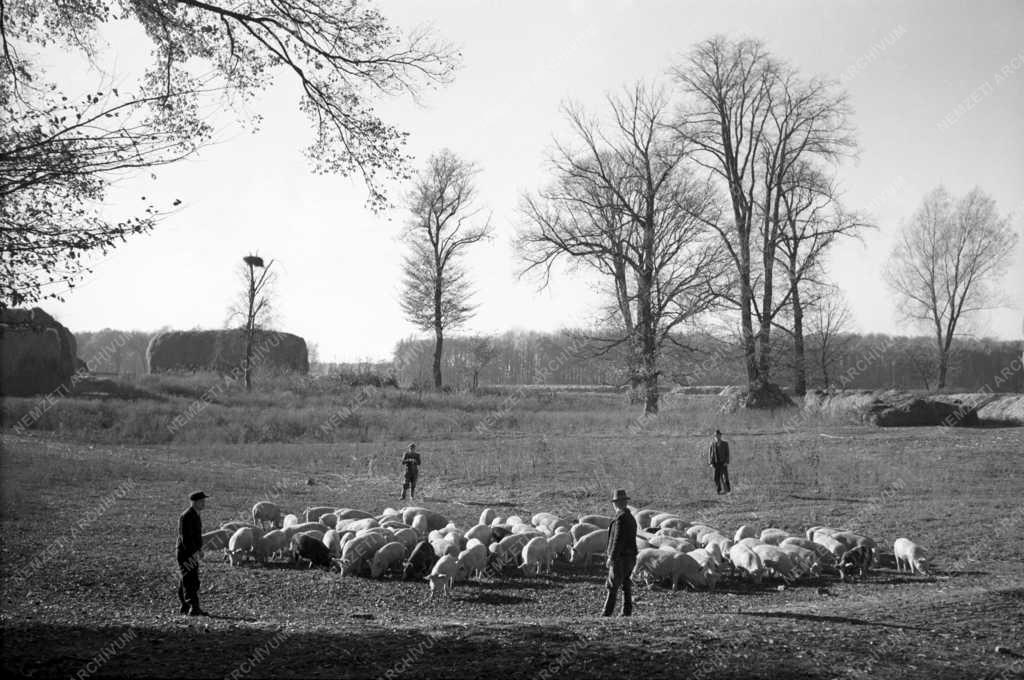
{"x":760,"y":395}
{"x":840,"y":403}
{"x":892,"y":408}
{"x":921,"y":411}
{"x":224,"y":351}
{"x":732,"y":397}
{"x":1002,"y":409}
{"x":37,"y":353}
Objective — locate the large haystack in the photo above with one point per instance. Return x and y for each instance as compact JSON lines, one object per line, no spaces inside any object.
{"x":893,"y":408}
{"x":1001,"y":409}
{"x":37,"y":353}
{"x":837,"y":404}
{"x":760,"y":395}
{"x":224,"y":351}
{"x":914,"y":411}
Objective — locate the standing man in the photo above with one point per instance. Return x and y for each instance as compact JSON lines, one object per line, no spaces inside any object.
{"x":718,"y":458}
{"x":189,"y":551}
{"x":411,"y":461}
{"x":621,"y":555}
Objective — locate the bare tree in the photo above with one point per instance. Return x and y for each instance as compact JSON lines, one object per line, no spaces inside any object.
{"x":828,"y":328}
{"x":483,"y":350}
{"x":915,"y":353}
{"x":752,"y":119}
{"x":947,"y":264}
{"x":59,"y":154}
{"x":811,"y":219}
{"x":445,"y":221}
{"x":254,"y":306}
{"x":623,"y":204}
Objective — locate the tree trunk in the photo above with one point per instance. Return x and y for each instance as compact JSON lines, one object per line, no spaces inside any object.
{"x":651,"y":394}
{"x":746,"y":318}
{"x":438,"y":347}
{"x":940,"y":380}
{"x":824,"y":364}
{"x":764,"y":335}
{"x":764,"y":350}
{"x":942,"y":344}
{"x":249,"y":324}
{"x":438,"y":333}
{"x":799,"y":357}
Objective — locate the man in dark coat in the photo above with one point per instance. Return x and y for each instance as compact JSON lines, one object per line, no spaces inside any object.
{"x":411,"y":461}
{"x":621,"y":555}
{"x":718,"y":458}
{"x":188,"y":551}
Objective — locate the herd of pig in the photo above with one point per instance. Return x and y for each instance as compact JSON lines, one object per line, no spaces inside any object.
{"x":416,"y":543}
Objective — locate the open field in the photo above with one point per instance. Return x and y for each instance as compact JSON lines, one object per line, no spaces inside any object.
{"x":204,"y":408}
{"x":88,"y":571}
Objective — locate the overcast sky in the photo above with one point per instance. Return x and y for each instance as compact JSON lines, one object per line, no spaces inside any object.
{"x":908,"y":66}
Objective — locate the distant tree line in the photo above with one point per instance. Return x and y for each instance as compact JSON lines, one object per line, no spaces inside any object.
{"x":112,"y":351}
{"x":849,"y":361}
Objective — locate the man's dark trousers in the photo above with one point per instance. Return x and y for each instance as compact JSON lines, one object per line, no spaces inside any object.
{"x":619,"y":576}
{"x":410,"y":482}
{"x":722,"y":479}
{"x":188,"y":584}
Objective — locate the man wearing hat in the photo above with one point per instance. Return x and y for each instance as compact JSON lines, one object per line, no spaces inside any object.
{"x":411,"y":461}
{"x":718,"y":458}
{"x":189,"y":550}
{"x":621,"y":555}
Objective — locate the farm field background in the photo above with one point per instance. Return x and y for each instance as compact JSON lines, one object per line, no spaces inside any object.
{"x":88,"y":530}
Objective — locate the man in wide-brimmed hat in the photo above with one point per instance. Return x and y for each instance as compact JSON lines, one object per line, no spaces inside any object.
{"x":621,"y":555}
{"x":188,"y":551}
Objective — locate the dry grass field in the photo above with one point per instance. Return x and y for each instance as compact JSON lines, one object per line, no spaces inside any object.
{"x":88,"y":574}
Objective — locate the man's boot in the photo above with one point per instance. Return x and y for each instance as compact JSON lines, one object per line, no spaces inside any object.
{"x":195,"y":609}
{"x":609,"y":603}
{"x":627,"y":601}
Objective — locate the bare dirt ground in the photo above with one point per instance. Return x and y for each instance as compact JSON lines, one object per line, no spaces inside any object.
{"x":88,"y":573}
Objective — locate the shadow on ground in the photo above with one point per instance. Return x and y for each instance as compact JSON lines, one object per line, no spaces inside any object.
{"x":445,"y":649}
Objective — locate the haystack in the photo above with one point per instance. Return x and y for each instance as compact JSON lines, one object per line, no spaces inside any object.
{"x":759,"y":395}
{"x":224,"y":351}
{"x":893,"y":408}
{"x":1002,"y":409}
{"x":914,"y":411}
{"x":836,"y":404}
{"x":37,"y":353}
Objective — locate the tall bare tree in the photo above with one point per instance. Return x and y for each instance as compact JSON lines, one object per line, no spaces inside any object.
{"x":947,"y":263}
{"x":59,"y":153}
{"x":811,"y":219}
{"x":623,"y":204}
{"x":752,"y":118}
{"x":253,"y":307}
{"x":445,"y":221}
